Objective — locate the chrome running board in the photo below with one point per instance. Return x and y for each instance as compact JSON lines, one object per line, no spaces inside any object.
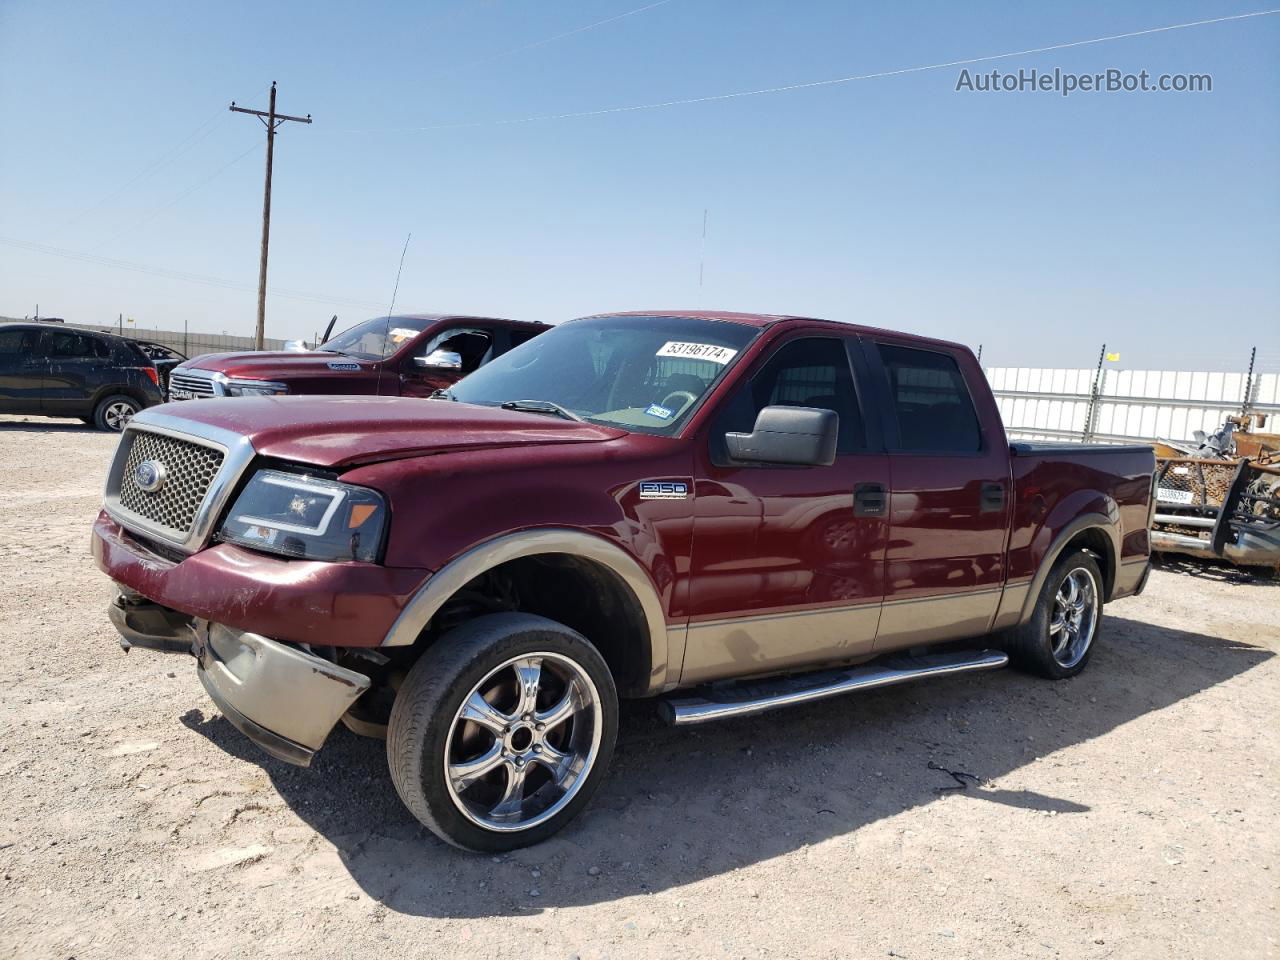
{"x":744,"y":699}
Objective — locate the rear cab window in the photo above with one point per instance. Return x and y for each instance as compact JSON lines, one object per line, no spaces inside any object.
{"x":929,"y":402}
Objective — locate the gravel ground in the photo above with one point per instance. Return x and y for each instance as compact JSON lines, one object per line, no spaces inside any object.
{"x":1130,"y":812}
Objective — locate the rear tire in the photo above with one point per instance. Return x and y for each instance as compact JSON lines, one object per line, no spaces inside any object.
{"x":113,"y":412}
{"x":1058,"y":639}
{"x":502,"y":731}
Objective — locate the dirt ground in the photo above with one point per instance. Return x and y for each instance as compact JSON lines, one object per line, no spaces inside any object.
{"x":1131,"y":812}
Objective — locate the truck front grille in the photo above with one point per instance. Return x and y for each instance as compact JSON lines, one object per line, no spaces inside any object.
{"x":188,"y":470}
{"x":186,"y":385}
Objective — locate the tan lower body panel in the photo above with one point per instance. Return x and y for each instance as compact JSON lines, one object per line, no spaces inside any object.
{"x":921,"y":620}
{"x":776,"y":643}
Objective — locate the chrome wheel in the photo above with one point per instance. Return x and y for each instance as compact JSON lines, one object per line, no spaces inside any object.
{"x":523,"y":742}
{"x":117,"y":413}
{"x":1074,"y":618}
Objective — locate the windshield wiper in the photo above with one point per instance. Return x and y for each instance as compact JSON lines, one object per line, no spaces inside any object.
{"x":441,"y":393}
{"x":542,"y":406}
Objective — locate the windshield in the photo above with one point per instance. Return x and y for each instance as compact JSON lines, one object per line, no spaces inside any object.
{"x":640,"y":373}
{"x":378,"y":338}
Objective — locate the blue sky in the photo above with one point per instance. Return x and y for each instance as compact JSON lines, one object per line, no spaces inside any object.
{"x":1036,"y":225}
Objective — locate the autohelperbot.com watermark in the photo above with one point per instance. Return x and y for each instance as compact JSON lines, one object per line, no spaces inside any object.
{"x":1111,"y":80}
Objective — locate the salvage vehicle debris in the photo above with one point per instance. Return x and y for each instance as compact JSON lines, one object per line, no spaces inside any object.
{"x":1221,"y":498}
{"x":731,"y":512}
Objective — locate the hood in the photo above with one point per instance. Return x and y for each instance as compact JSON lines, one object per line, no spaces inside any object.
{"x":277,"y":365}
{"x":345,"y":431}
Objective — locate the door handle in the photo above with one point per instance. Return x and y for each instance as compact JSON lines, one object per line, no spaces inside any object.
{"x":870,"y":500}
{"x":992,"y":497}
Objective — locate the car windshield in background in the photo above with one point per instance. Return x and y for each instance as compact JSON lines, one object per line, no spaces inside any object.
{"x":376,"y":339}
{"x":640,"y":373}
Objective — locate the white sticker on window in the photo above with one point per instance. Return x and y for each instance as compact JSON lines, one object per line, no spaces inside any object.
{"x":401,"y":334}
{"x":697,"y":351}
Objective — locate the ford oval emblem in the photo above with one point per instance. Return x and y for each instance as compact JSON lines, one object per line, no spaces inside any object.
{"x":149,"y":475}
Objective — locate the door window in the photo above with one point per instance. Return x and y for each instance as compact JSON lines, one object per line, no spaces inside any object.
{"x":471,"y":345}
{"x":16,"y":343}
{"x":75,"y":346}
{"x":813,"y":372}
{"x":931,"y":402}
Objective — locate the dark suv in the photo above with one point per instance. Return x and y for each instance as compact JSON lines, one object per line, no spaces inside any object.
{"x":66,"y":372}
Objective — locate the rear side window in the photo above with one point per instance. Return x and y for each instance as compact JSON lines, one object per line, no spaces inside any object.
{"x":930,"y":402}
{"x":75,"y":346}
{"x":813,"y":372}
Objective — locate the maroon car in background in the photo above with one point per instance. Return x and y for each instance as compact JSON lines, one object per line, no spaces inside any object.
{"x":731,"y":512}
{"x":402,"y":356}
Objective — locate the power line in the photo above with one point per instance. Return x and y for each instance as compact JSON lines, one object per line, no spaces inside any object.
{"x":182,"y":196}
{"x":198,"y":135}
{"x":209,"y":281}
{"x":559,"y":36}
{"x":787,"y":88}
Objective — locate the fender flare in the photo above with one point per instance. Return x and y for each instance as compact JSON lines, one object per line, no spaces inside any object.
{"x":664,"y":663}
{"x":1087,"y":521}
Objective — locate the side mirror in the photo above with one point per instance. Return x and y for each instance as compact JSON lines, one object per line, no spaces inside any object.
{"x":439,"y":360}
{"x":797,"y":435}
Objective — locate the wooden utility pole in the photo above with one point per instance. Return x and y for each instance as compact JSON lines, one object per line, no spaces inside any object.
{"x":271,"y":120}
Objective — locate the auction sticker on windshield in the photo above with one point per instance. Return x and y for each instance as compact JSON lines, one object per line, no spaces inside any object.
{"x":697,"y":351}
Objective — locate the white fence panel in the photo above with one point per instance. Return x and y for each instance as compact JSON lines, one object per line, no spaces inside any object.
{"x":1054,"y":404}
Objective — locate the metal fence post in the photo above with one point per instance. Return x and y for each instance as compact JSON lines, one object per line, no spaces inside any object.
{"x":1093,"y":397}
{"x":1248,"y":384}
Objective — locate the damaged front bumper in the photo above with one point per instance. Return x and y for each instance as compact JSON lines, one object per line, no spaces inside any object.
{"x":282,"y":697}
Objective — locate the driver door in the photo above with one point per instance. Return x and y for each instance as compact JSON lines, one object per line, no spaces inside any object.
{"x":788,"y":561}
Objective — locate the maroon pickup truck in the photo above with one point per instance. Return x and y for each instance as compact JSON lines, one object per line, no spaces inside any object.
{"x":403,"y":356}
{"x":728,"y":512}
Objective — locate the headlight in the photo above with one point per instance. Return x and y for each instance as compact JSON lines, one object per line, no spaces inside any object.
{"x":307,"y":517}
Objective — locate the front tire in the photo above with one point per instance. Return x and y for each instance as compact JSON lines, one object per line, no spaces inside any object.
{"x":502,"y":731}
{"x":1058,"y":639}
{"x":112,"y":413}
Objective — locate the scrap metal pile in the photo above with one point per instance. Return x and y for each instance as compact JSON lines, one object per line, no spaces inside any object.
{"x":1221,"y":496}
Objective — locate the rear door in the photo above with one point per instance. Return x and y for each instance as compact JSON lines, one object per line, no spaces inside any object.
{"x":788,"y":561}
{"x":949,"y":495}
{"x":21,"y":370}
{"x":78,"y":365}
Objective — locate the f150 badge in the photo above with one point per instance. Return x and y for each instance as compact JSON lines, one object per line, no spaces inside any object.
{"x":664,"y":490}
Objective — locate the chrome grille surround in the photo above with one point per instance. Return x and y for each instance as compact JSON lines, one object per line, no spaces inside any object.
{"x":195,"y":382}
{"x":202,"y":466}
